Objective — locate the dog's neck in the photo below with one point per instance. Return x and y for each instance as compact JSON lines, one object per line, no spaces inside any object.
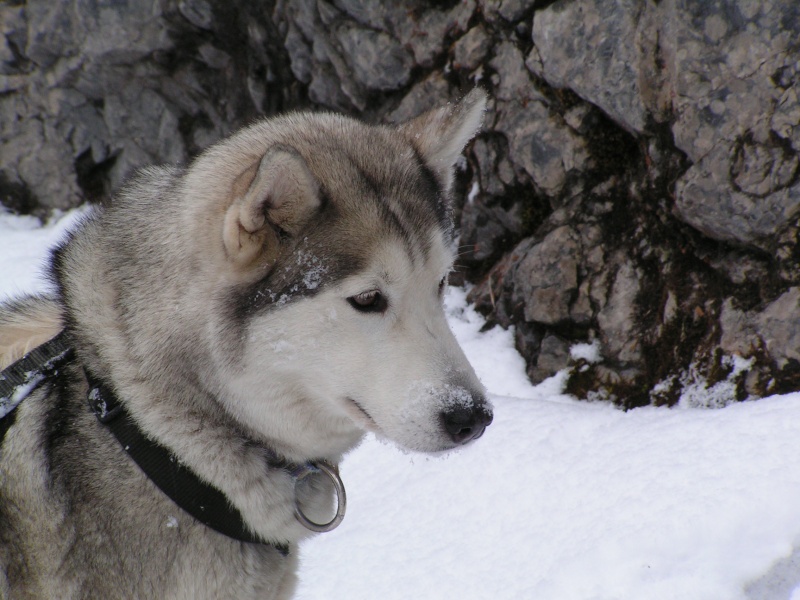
{"x":204,"y":502}
{"x":215,"y":505}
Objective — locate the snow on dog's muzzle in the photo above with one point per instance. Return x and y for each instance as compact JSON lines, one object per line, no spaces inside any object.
{"x":437,"y":417}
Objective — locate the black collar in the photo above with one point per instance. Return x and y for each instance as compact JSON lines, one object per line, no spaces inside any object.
{"x":203,"y":501}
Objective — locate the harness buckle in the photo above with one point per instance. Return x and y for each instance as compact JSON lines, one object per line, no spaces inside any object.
{"x":100,"y":406}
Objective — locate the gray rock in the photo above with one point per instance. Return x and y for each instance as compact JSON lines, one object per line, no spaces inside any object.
{"x":494,"y":294}
{"x":759,"y":169}
{"x":713,"y":65}
{"x":541,"y":146}
{"x":378,"y":60}
{"x":96,"y":90}
{"x":585,"y":45}
{"x":367,"y":12}
{"x":513,"y":10}
{"x":553,"y":356}
{"x":706,"y":199}
{"x":471,"y":49}
{"x":508,"y":10}
{"x":773,"y":328}
{"x":512,"y":82}
{"x":326,"y":89}
{"x":617,"y":319}
{"x":14,"y":36}
{"x":592,"y":290}
{"x":738,"y":335}
{"x":486,"y":230}
{"x":785,"y":120}
{"x":343,"y":59}
{"x":427,"y":33}
{"x":428,"y":93}
{"x":302,"y":62}
{"x":333,"y":78}
{"x":732,"y":70}
{"x":778,"y":326}
{"x":54,"y":122}
{"x":740,"y":267}
{"x":547,"y":277}
{"x":197,"y":12}
{"x":494,"y":169}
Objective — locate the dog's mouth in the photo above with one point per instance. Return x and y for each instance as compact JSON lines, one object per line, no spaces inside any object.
{"x":360,"y":415}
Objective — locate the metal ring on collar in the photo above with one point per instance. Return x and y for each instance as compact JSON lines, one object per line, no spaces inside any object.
{"x":341,"y":498}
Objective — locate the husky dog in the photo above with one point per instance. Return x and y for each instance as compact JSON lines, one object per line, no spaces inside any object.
{"x":260,"y":309}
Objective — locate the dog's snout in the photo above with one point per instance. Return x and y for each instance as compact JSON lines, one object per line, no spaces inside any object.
{"x":467,"y":423}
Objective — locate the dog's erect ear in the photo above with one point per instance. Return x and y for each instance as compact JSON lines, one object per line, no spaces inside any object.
{"x":441,"y":134}
{"x":277,"y":195}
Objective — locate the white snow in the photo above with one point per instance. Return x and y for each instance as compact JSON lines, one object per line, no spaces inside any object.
{"x":588,"y":352}
{"x":560,"y":499}
{"x":696,"y":392}
{"x":20,"y":392}
{"x":473,"y":192}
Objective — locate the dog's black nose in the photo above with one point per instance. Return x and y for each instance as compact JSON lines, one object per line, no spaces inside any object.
{"x":466,"y":423}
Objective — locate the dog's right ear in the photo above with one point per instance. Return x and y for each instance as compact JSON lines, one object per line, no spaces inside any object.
{"x":273,"y":198}
{"x":440,"y":134}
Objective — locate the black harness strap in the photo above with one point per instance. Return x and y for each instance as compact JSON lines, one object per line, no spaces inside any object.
{"x":21,"y":378}
{"x":201,"y":500}
{"x":204,"y":502}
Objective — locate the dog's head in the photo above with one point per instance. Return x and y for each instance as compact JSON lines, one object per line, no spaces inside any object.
{"x":331,"y":249}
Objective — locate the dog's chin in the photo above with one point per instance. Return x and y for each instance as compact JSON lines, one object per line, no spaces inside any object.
{"x":424,"y":443}
{"x":359,"y":415}
{"x":430,"y":448}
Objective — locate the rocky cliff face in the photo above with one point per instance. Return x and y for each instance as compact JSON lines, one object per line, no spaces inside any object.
{"x":93,"y":89}
{"x":636,"y":186}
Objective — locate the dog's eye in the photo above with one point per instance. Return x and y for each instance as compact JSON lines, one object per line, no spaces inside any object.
{"x":371,"y":301}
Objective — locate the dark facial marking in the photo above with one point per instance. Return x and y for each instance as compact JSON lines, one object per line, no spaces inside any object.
{"x":430,"y":187}
{"x":410,"y":200}
{"x":301,"y":271}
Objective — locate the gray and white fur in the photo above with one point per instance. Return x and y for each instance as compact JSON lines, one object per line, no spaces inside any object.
{"x":282,"y":292}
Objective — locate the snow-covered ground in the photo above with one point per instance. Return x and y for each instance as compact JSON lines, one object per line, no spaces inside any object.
{"x":561,"y":499}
